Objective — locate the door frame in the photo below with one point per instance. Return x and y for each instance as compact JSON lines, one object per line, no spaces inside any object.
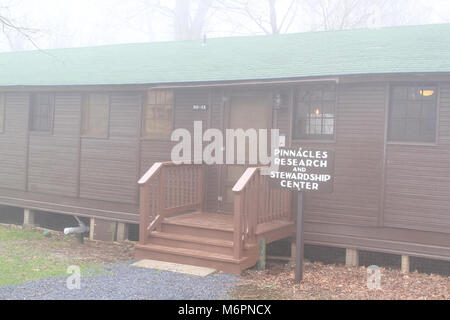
{"x":223,"y":205}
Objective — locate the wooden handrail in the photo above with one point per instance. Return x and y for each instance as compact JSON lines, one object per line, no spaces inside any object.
{"x":168,"y":188}
{"x":255,"y":203}
{"x":154,"y":170}
{"x":244,"y":179}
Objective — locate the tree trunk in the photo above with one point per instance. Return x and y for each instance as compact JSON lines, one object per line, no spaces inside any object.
{"x":182,"y":17}
{"x":187,"y":27}
{"x":273,"y":17}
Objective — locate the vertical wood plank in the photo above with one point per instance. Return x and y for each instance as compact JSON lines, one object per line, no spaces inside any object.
{"x":162,"y":192}
{"x":144,"y":213}
{"x":238,"y":211}
{"x":201,"y":188}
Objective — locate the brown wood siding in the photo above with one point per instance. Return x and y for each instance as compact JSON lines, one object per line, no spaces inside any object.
{"x":13,"y":142}
{"x":386,"y":240}
{"x":359,"y":157}
{"x":185,"y":117}
{"x":71,"y":206}
{"x":213,"y":172}
{"x":284,"y":116}
{"x":160,"y":150}
{"x":415,"y":220}
{"x":53,"y":157}
{"x":153,"y":151}
{"x":109,"y":166}
{"x":418,"y":180}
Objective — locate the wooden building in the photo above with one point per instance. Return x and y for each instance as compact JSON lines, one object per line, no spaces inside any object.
{"x":80,"y":127}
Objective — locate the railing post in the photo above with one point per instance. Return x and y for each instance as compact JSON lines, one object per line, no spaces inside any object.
{"x":144,"y":204}
{"x":238,"y":213}
{"x":201,"y":188}
{"x":162,"y":192}
{"x":255,"y":211}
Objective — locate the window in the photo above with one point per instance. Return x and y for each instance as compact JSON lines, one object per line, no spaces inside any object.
{"x":2,"y":113}
{"x":158,"y":122}
{"x":314,"y":113}
{"x":95,"y":115}
{"x":41,"y":112}
{"x":413,"y":114}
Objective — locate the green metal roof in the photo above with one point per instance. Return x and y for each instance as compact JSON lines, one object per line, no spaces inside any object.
{"x":412,"y":49}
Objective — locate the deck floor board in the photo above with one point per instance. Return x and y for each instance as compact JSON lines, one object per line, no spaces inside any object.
{"x":205,"y":220}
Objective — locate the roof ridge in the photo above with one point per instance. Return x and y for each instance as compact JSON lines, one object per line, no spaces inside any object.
{"x":293,"y":34}
{"x":388,"y":50}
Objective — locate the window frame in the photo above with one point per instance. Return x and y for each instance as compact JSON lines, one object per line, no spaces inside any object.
{"x":390,"y":99}
{"x":294,"y":99}
{"x":145,"y":104}
{"x":85,"y":104}
{"x":32,"y":98}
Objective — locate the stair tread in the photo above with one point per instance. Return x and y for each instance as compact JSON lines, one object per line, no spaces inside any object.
{"x":273,"y":225}
{"x":188,"y":238}
{"x":197,"y":225}
{"x":192,"y":253}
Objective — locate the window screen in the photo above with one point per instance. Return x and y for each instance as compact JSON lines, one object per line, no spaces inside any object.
{"x":314,"y":112}
{"x":158,"y":115}
{"x":41,"y":112}
{"x":412,"y":114}
{"x":96,"y":115}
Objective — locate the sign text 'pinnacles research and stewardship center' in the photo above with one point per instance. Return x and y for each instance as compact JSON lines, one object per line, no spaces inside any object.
{"x":301,"y":169}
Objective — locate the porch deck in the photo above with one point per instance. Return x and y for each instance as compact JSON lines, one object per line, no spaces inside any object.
{"x":206,"y":239}
{"x":272,"y":231}
{"x":175,"y":228}
{"x":207,"y":220}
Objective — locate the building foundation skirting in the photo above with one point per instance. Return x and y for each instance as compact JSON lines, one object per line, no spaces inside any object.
{"x":352,"y":258}
{"x":405,"y":264}
{"x":262,"y":254}
{"x":293,"y":255}
{"x":107,"y":230}
{"x":91,"y":229}
{"x":28,"y":218}
{"x":122,"y":232}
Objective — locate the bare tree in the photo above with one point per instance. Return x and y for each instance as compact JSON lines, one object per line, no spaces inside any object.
{"x":269,"y":16}
{"x":343,"y":14}
{"x":17,"y":35}
{"x":350,"y":14}
{"x":188,"y":17}
{"x":406,"y":12}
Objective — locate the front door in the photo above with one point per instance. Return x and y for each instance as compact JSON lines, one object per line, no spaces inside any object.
{"x":245,"y":111}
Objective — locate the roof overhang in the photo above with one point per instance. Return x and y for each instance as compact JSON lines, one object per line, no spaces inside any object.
{"x":349,"y":78}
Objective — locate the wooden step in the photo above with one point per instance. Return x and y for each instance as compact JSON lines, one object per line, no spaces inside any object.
{"x":275,"y":230}
{"x":173,"y":240}
{"x":206,"y":239}
{"x":197,"y":230}
{"x":221,"y":262}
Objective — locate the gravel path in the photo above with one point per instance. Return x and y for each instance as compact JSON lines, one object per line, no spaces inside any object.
{"x":123,"y":282}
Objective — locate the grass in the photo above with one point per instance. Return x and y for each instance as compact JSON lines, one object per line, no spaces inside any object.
{"x":27,"y":256}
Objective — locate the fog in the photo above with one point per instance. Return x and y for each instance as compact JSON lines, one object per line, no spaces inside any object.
{"x":47,"y":24}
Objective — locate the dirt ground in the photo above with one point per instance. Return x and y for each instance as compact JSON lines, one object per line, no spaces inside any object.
{"x":91,"y":252}
{"x":321,"y":282}
{"x":32,"y":254}
{"x":336,"y":282}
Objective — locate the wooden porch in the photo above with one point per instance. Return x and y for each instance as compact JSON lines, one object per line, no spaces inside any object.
{"x":175,"y":227}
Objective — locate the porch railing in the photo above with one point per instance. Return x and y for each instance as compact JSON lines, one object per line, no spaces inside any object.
{"x":167,"y":189}
{"x":256,"y":203}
